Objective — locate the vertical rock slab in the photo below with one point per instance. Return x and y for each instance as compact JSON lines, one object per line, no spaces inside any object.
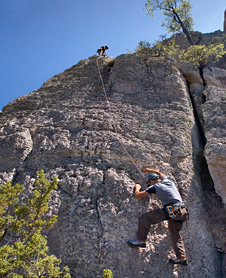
{"x":72,"y":137}
{"x":215,"y":151}
{"x":214,"y":111}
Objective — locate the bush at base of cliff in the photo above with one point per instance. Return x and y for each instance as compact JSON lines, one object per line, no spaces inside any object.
{"x":107,"y":273}
{"x":23,"y":249}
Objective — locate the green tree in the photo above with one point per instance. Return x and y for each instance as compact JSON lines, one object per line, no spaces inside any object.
{"x":177,"y":15}
{"x":23,"y":248}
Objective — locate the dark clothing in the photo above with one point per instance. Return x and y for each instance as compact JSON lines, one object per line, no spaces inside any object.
{"x":151,"y":190}
{"x":174,"y":226}
{"x":101,"y":51}
{"x":167,"y":193}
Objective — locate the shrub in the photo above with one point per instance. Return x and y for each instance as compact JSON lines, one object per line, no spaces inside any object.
{"x":107,"y":273}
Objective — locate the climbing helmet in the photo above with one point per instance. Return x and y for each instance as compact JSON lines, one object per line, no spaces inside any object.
{"x":152,"y":176}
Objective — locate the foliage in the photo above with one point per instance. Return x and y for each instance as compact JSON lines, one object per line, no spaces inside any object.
{"x":169,"y":49}
{"x":144,"y":49}
{"x":219,"y":40}
{"x":128,"y":51}
{"x":177,"y":15}
{"x":200,"y":55}
{"x":23,"y":249}
{"x":107,"y":273}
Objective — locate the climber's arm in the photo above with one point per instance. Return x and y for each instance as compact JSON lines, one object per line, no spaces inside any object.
{"x":138,"y":193}
{"x":150,"y":170}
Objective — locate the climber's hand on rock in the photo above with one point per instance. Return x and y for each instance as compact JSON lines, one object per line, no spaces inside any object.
{"x":137,"y":187}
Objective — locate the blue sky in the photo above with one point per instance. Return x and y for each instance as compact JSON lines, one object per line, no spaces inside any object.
{"x":41,"y":38}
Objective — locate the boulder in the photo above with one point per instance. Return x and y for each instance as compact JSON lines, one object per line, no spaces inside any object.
{"x":191,"y":73}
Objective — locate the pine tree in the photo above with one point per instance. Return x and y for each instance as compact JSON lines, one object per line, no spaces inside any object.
{"x":23,"y":247}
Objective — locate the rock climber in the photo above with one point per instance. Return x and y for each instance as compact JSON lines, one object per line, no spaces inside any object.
{"x":173,"y":210}
{"x":102,"y":51}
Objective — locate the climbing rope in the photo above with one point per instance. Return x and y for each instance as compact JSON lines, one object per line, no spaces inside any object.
{"x":113,"y":122}
{"x":118,"y":138}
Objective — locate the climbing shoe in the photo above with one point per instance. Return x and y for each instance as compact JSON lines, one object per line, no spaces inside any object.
{"x":177,"y":261}
{"x":136,"y":243}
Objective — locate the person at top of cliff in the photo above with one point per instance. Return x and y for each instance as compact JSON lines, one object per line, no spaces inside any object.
{"x":102,"y":51}
{"x":173,"y":210}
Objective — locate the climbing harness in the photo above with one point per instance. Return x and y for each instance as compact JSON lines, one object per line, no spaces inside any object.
{"x":174,"y":210}
{"x":170,"y":210}
{"x":113,"y":122}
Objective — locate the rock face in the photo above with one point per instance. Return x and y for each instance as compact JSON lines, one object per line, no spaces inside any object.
{"x":197,"y":38}
{"x":67,"y":129}
{"x":214,"y":111}
{"x":210,"y":111}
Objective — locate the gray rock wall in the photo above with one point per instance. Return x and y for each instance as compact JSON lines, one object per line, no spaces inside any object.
{"x":66,"y":129}
{"x":209,"y":98}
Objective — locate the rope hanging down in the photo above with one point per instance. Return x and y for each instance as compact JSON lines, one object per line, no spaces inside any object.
{"x":113,"y":122}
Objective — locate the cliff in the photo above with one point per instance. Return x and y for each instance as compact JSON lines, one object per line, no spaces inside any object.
{"x":167,"y":116}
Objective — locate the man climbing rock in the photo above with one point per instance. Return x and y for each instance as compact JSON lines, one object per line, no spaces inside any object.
{"x":102,"y":51}
{"x":173,"y":210}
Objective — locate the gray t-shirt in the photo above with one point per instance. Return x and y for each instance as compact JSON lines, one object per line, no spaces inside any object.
{"x":166,"y":191}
